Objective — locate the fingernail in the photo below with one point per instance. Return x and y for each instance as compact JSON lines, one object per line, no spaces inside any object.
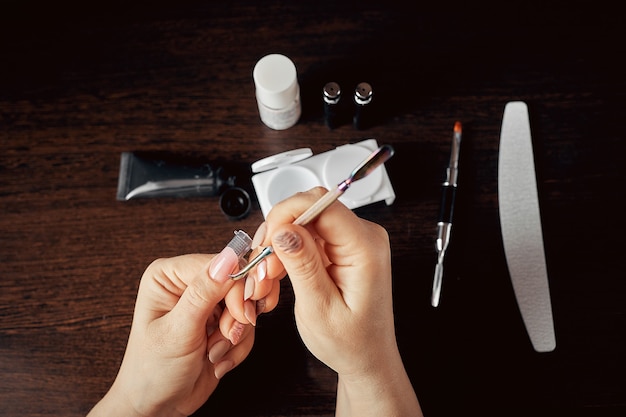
{"x":261,"y":270}
{"x":223,"y":264}
{"x":218,"y":350}
{"x":249,"y":288}
{"x":260,"y":306}
{"x":259,"y":236}
{"x":223,"y":368}
{"x":289,"y":242}
{"x":249,"y":310}
{"x":234,"y":335}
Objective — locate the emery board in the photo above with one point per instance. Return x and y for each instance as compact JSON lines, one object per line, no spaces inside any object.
{"x":520,"y":224}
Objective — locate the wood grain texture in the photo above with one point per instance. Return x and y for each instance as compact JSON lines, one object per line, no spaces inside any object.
{"x":81,"y":84}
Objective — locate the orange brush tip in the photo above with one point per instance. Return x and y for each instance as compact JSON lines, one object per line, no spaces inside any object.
{"x":457,"y":127}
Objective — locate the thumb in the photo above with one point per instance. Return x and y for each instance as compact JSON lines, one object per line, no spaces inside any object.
{"x":300,"y":256}
{"x":205,"y":291}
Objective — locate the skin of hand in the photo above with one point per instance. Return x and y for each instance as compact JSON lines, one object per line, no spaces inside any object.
{"x":340,"y":269}
{"x":174,"y":357}
{"x":254,"y":294}
{"x":262,"y":294}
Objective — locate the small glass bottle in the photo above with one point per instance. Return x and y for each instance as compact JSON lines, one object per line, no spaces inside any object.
{"x":332,"y":95}
{"x":362,"y":112}
{"x":277,"y":91}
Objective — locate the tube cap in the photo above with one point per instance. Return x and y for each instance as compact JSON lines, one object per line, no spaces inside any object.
{"x":235,"y":203}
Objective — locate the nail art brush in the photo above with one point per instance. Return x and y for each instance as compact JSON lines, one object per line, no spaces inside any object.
{"x":377,"y":158}
{"x":444,"y":225}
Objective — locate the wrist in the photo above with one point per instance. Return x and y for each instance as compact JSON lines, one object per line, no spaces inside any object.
{"x":112,"y":405}
{"x":380,"y":390}
{"x":121,"y":402}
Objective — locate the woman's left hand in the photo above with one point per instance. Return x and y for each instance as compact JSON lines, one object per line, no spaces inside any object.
{"x":175,"y":355}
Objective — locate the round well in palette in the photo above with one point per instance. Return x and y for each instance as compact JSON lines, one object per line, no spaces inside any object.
{"x":289,"y":180}
{"x":340,"y":164}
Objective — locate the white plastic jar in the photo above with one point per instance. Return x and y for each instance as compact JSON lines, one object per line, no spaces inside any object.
{"x":277,"y":91}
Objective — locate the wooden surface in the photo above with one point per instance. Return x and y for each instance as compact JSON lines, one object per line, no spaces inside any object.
{"x":81,"y":84}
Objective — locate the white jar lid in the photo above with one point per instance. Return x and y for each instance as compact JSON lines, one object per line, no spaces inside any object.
{"x":281,"y":159}
{"x":276,"y":81}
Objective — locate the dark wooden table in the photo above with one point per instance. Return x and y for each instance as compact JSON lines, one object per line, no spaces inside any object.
{"x":81,"y":84}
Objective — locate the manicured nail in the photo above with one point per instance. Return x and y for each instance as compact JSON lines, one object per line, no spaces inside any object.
{"x":223,"y":265}
{"x":249,"y":288}
{"x":261,"y":270}
{"x":235,"y":333}
{"x":249,"y":310}
{"x":259,"y":236}
{"x":218,"y":350}
{"x":288,"y":241}
{"x":223,"y":368}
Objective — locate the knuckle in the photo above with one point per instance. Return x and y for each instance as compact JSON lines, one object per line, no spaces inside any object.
{"x":305,"y":266}
{"x":196,"y":295}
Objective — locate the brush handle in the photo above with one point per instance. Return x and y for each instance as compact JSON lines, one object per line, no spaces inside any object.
{"x":319,"y":206}
{"x":446,"y":210}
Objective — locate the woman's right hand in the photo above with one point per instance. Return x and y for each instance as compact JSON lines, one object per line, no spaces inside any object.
{"x":340,"y":269}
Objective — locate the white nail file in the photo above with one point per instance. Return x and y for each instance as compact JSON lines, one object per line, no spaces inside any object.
{"x":520,"y":223}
